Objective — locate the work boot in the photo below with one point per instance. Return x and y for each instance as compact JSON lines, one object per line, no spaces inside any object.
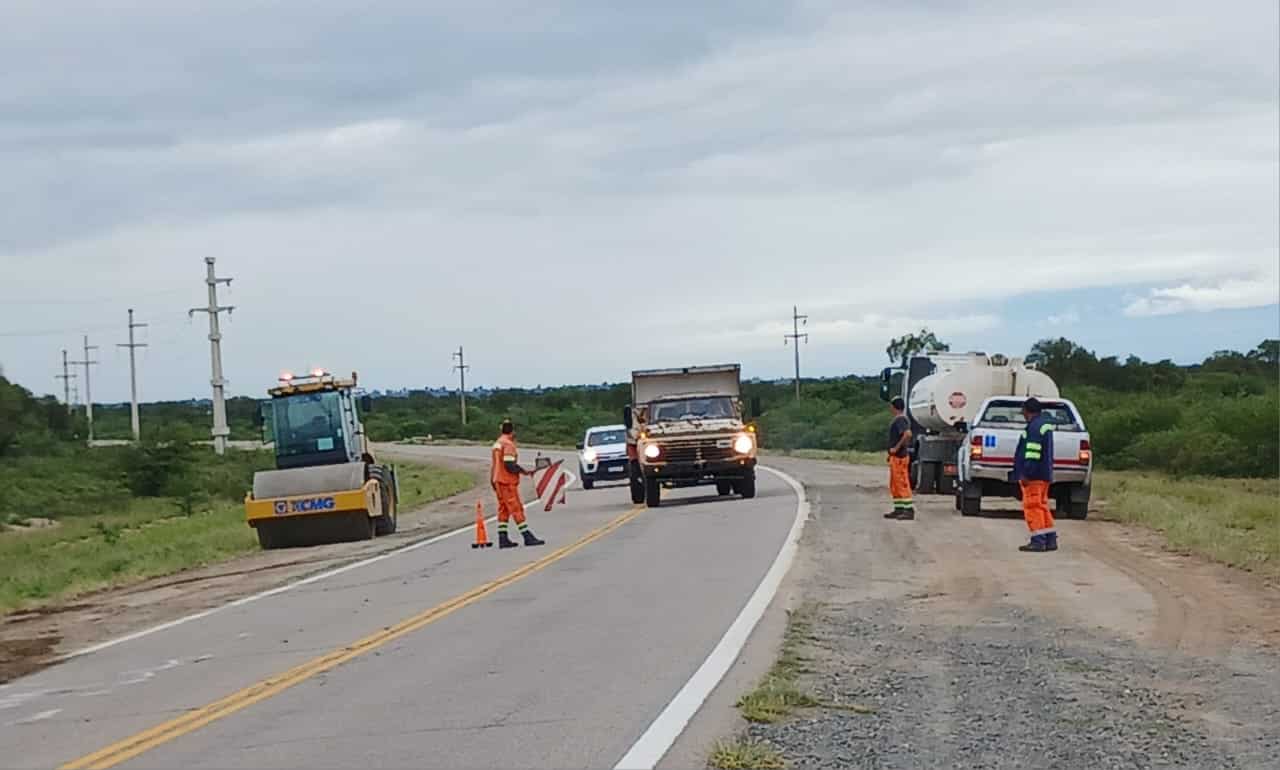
{"x":504,"y":541}
{"x":1051,"y":541}
{"x":531,"y":539}
{"x":894,"y":514}
{"x":907,"y":514}
{"x":1037,"y":545}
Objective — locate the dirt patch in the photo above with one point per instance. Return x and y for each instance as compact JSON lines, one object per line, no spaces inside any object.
{"x":20,"y":656}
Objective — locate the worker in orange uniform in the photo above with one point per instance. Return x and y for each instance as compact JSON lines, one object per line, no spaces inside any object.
{"x":904,"y":508}
{"x":505,"y":477}
{"x":1033,"y":470}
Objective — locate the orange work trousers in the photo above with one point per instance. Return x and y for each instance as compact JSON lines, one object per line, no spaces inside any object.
{"x":1035,"y":507}
{"x":509,"y":503}
{"x":900,"y":483}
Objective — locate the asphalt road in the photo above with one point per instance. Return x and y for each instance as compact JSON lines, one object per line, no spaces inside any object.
{"x":532,"y":657}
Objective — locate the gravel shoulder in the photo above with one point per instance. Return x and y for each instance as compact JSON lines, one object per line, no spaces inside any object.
{"x":1112,"y":652}
{"x":30,"y":641}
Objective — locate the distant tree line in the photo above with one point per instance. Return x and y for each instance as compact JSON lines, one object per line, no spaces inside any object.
{"x":1220,"y":417}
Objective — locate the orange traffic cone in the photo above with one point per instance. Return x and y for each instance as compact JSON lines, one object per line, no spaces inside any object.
{"x":482,"y":534}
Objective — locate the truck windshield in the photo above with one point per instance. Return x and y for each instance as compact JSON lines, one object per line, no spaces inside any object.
{"x":308,"y":423}
{"x":1010,"y":413}
{"x":692,"y":409}
{"x":607,"y":437}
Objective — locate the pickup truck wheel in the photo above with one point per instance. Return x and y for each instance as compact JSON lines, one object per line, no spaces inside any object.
{"x":652,"y":493}
{"x":587,"y":482}
{"x":724,"y":488}
{"x":970,"y":503}
{"x":747,"y":486}
{"x":637,"y":485}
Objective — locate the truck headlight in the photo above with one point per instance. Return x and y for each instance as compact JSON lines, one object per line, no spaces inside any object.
{"x":589,"y":455}
{"x":744,"y":444}
{"x":652,"y":451}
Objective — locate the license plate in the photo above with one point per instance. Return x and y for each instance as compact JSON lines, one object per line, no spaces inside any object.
{"x":618,"y":467}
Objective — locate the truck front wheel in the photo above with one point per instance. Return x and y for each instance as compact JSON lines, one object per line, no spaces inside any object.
{"x":747,"y":486}
{"x":652,"y":492}
{"x":637,"y":484}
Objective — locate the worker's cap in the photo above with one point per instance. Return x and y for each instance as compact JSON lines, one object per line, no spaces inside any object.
{"x":1032,"y":406}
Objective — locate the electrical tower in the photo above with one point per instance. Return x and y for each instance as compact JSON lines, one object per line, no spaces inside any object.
{"x":461,"y":367}
{"x":66,"y":378}
{"x":220,"y":430}
{"x":88,"y":390}
{"x":795,"y":336}
{"x":135,"y":422}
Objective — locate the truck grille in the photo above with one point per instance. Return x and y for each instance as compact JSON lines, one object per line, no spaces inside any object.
{"x":697,"y":450}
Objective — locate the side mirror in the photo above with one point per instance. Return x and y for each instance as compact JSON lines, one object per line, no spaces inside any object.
{"x":366,"y":404}
{"x":755,"y":407}
{"x":627,"y":418}
{"x":579,"y":444}
{"x":886,"y":377}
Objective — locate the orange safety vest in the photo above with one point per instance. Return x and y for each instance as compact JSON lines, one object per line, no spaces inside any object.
{"x":504,"y":451}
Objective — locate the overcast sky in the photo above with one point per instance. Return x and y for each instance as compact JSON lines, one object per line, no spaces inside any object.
{"x":575,"y":189}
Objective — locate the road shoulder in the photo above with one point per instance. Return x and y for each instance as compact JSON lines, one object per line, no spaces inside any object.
{"x":1113,"y":651}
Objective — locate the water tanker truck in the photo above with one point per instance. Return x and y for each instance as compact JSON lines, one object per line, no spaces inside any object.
{"x":943,"y":392}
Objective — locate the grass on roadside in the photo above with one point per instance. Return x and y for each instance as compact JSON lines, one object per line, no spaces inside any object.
{"x":1233,"y":521}
{"x":421,"y":484}
{"x":745,"y":754}
{"x":851,"y":457}
{"x":141,"y":538}
{"x":777,"y":695}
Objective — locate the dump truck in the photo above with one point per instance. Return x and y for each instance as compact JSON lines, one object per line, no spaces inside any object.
{"x":685,"y":427}
{"x":943,"y":393}
{"x":326,"y":486}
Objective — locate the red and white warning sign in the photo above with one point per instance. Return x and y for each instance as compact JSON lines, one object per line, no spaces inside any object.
{"x":550,"y":483}
{"x":957,"y":400}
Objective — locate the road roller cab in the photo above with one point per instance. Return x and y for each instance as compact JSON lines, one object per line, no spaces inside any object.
{"x":326,"y":486}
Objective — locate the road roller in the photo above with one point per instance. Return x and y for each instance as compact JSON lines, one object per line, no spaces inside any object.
{"x":326,"y":486}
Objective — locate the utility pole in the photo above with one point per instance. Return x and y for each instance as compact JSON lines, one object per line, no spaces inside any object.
{"x":794,"y":337}
{"x":66,"y":378}
{"x":220,"y":430}
{"x":461,"y":367}
{"x":134,"y":420}
{"x":88,"y":390}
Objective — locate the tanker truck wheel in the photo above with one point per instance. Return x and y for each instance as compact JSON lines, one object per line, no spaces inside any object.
{"x":928,"y":483}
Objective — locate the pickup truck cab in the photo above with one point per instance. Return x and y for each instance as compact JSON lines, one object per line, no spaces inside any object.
{"x":986,"y":458}
{"x":602,"y":455}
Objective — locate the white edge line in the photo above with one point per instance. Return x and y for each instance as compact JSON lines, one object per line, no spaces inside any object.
{"x":662,"y":734}
{"x":90,"y":650}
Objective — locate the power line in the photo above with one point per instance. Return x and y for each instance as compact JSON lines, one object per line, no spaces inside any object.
{"x":220,"y":430}
{"x":88,"y":392}
{"x":134,"y":419}
{"x":461,"y":368}
{"x":796,"y":336}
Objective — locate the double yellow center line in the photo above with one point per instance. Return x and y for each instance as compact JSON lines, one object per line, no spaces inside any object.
{"x":130,"y":747}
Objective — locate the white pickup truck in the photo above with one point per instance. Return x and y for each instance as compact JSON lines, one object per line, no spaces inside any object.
{"x":986,"y":458}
